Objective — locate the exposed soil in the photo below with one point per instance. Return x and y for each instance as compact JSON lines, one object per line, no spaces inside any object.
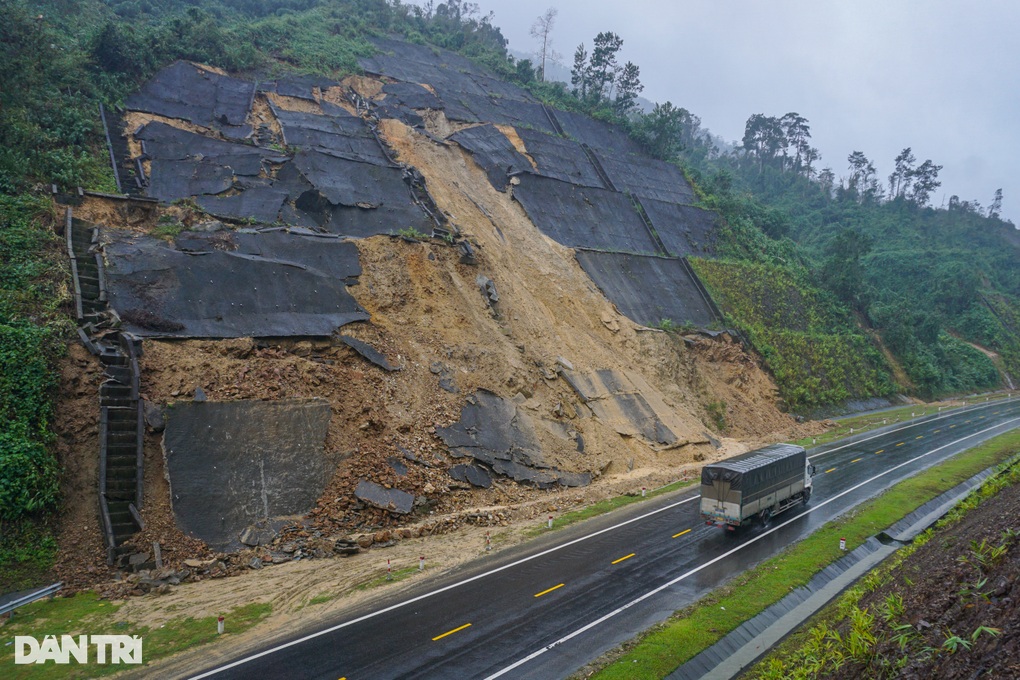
{"x":942,"y":598}
{"x":429,"y":318}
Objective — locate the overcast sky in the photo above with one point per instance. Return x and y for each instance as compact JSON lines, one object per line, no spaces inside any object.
{"x":940,"y":76}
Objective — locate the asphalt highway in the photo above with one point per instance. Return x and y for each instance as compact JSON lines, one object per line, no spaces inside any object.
{"x":546,"y":609}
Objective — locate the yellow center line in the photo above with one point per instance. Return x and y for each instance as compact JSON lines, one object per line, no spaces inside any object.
{"x":451,"y":632}
{"x":685,"y":531}
{"x":936,"y":431}
{"x":879,"y":451}
{"x":952,"y":426}
{"x":625,"y":557}
{"x":549,"y":590}
{"x":856,"y":460}
{"x":901,"y":444}
{"x":829,"y":470}
{"x":920,"y":436}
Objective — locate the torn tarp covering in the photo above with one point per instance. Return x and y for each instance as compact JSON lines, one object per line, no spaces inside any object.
{"x":302,"y":86}
{"x":194,"y":94}
{"x":171,"y":180}
{"x":560,"y":158}
{"x":583,"y":217}
{"x":493,"y":431}
{"x":167,"y":142}
{"x":347,"y":182}
{"x":260,"y":203}
{"x":411,"y":95}
{"x":471,"y":108}
{"x":648,"y":289}
{"x":493,"y":152}
{"x":646,"y":177}
{"x":340,"y":135}
{"x":684,"y":229}
{"x":231,"y":464}
{"x":617,"y":400}
{"x":371,"y":353}
{"x":160,"y":291}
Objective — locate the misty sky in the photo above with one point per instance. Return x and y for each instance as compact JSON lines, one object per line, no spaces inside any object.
{"x":940,"y":76}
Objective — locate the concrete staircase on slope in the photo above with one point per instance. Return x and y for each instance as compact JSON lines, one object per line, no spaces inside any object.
{"x":121,"y":419}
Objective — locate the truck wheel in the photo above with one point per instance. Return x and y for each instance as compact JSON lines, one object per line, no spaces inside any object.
{"x":765,"y":518}
{"x":807,"y":496}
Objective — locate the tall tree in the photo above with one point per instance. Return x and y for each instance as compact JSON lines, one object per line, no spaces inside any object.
{"x":899,"y":180}
{"x":925,"y":181}
{"x":861,"y":183}
{"x":995,"y":209}
{"x":579,"y":75}
{"x":797,"y":133}
{"x":541,"y":31}
{"x":664,"y":130}
{"x":603,"y":67}
{"x":763,"y":138}
{"x":627,"y":88}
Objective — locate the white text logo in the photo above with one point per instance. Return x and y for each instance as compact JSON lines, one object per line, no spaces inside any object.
{"x":108,"y":649}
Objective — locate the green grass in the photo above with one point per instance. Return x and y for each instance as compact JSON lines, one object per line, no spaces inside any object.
{"x":687,"y":633}
{"x":602,"y":507}
{"x":321,"y":599}
{"x":397,"y":575}
{"x":86,"y":614}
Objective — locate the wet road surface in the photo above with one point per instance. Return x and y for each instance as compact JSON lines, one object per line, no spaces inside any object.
{"x":546,"y":609}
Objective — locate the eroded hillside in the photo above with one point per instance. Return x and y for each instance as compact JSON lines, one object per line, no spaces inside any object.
{"x":360,"y":311}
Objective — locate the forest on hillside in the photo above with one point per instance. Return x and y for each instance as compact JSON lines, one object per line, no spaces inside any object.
{"x":851,"y":286}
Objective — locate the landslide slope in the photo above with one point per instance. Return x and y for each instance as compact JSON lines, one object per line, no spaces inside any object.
{"x":495,"y":270}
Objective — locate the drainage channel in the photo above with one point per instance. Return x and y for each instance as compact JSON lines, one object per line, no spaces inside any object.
{"x":749,"y":642}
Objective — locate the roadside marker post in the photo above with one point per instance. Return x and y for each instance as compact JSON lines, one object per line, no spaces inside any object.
{"x":421,"y":563}
{"x":550,"y":521}
{"x":389,"y":571}
{"x":842,"y":544}
{"x":643,"y":492}
{"x":488,"y":542}
{"x":219,"y":626}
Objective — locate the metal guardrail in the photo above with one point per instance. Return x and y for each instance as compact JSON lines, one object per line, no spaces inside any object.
{"x":48,"y":591}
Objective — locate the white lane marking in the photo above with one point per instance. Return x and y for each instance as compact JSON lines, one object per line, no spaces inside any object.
{"x":440,"y":590}
{"x":899,"y":429}
{"x":726,"y":554}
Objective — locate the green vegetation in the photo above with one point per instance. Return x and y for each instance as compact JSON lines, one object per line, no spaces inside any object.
{"x":821,"y":648}
{"x":695,"y":628}
{"x":811,"y":345}
{"x":86,"y":614}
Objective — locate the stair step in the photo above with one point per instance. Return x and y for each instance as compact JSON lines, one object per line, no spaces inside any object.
{"x":117,"y":473}
{"x":114,"y":401}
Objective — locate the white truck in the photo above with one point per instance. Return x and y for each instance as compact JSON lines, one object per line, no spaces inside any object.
{"x":756,"y":485}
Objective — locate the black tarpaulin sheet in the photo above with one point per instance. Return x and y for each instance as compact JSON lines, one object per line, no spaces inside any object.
{"x":493,"y":152}
{"x":469,"y":108}
{"x":301,"y":86}
{"x":583,"y":217}
{"x":343,"y":135}
{"x":232,"y":464}
{"x":445,"y":71}
{"x":171,"y":180}
{"x":493,"y":431}
{"x":260,"y":203}
{"x":202,"y":97}
{"x":617,"y":401}
{"x":646,"y":177}
{"x":596,"y":134}
{"x":560,"y":158}
{"x":647,"y":289}
{"x":752,"y":470}
{"x":683,"y":229}
{"x":411,"y":95}
{"x":347,"y":182}
{"x":170,"y":143}
{"x":325,"y":254}
{"x":160,"y":291}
